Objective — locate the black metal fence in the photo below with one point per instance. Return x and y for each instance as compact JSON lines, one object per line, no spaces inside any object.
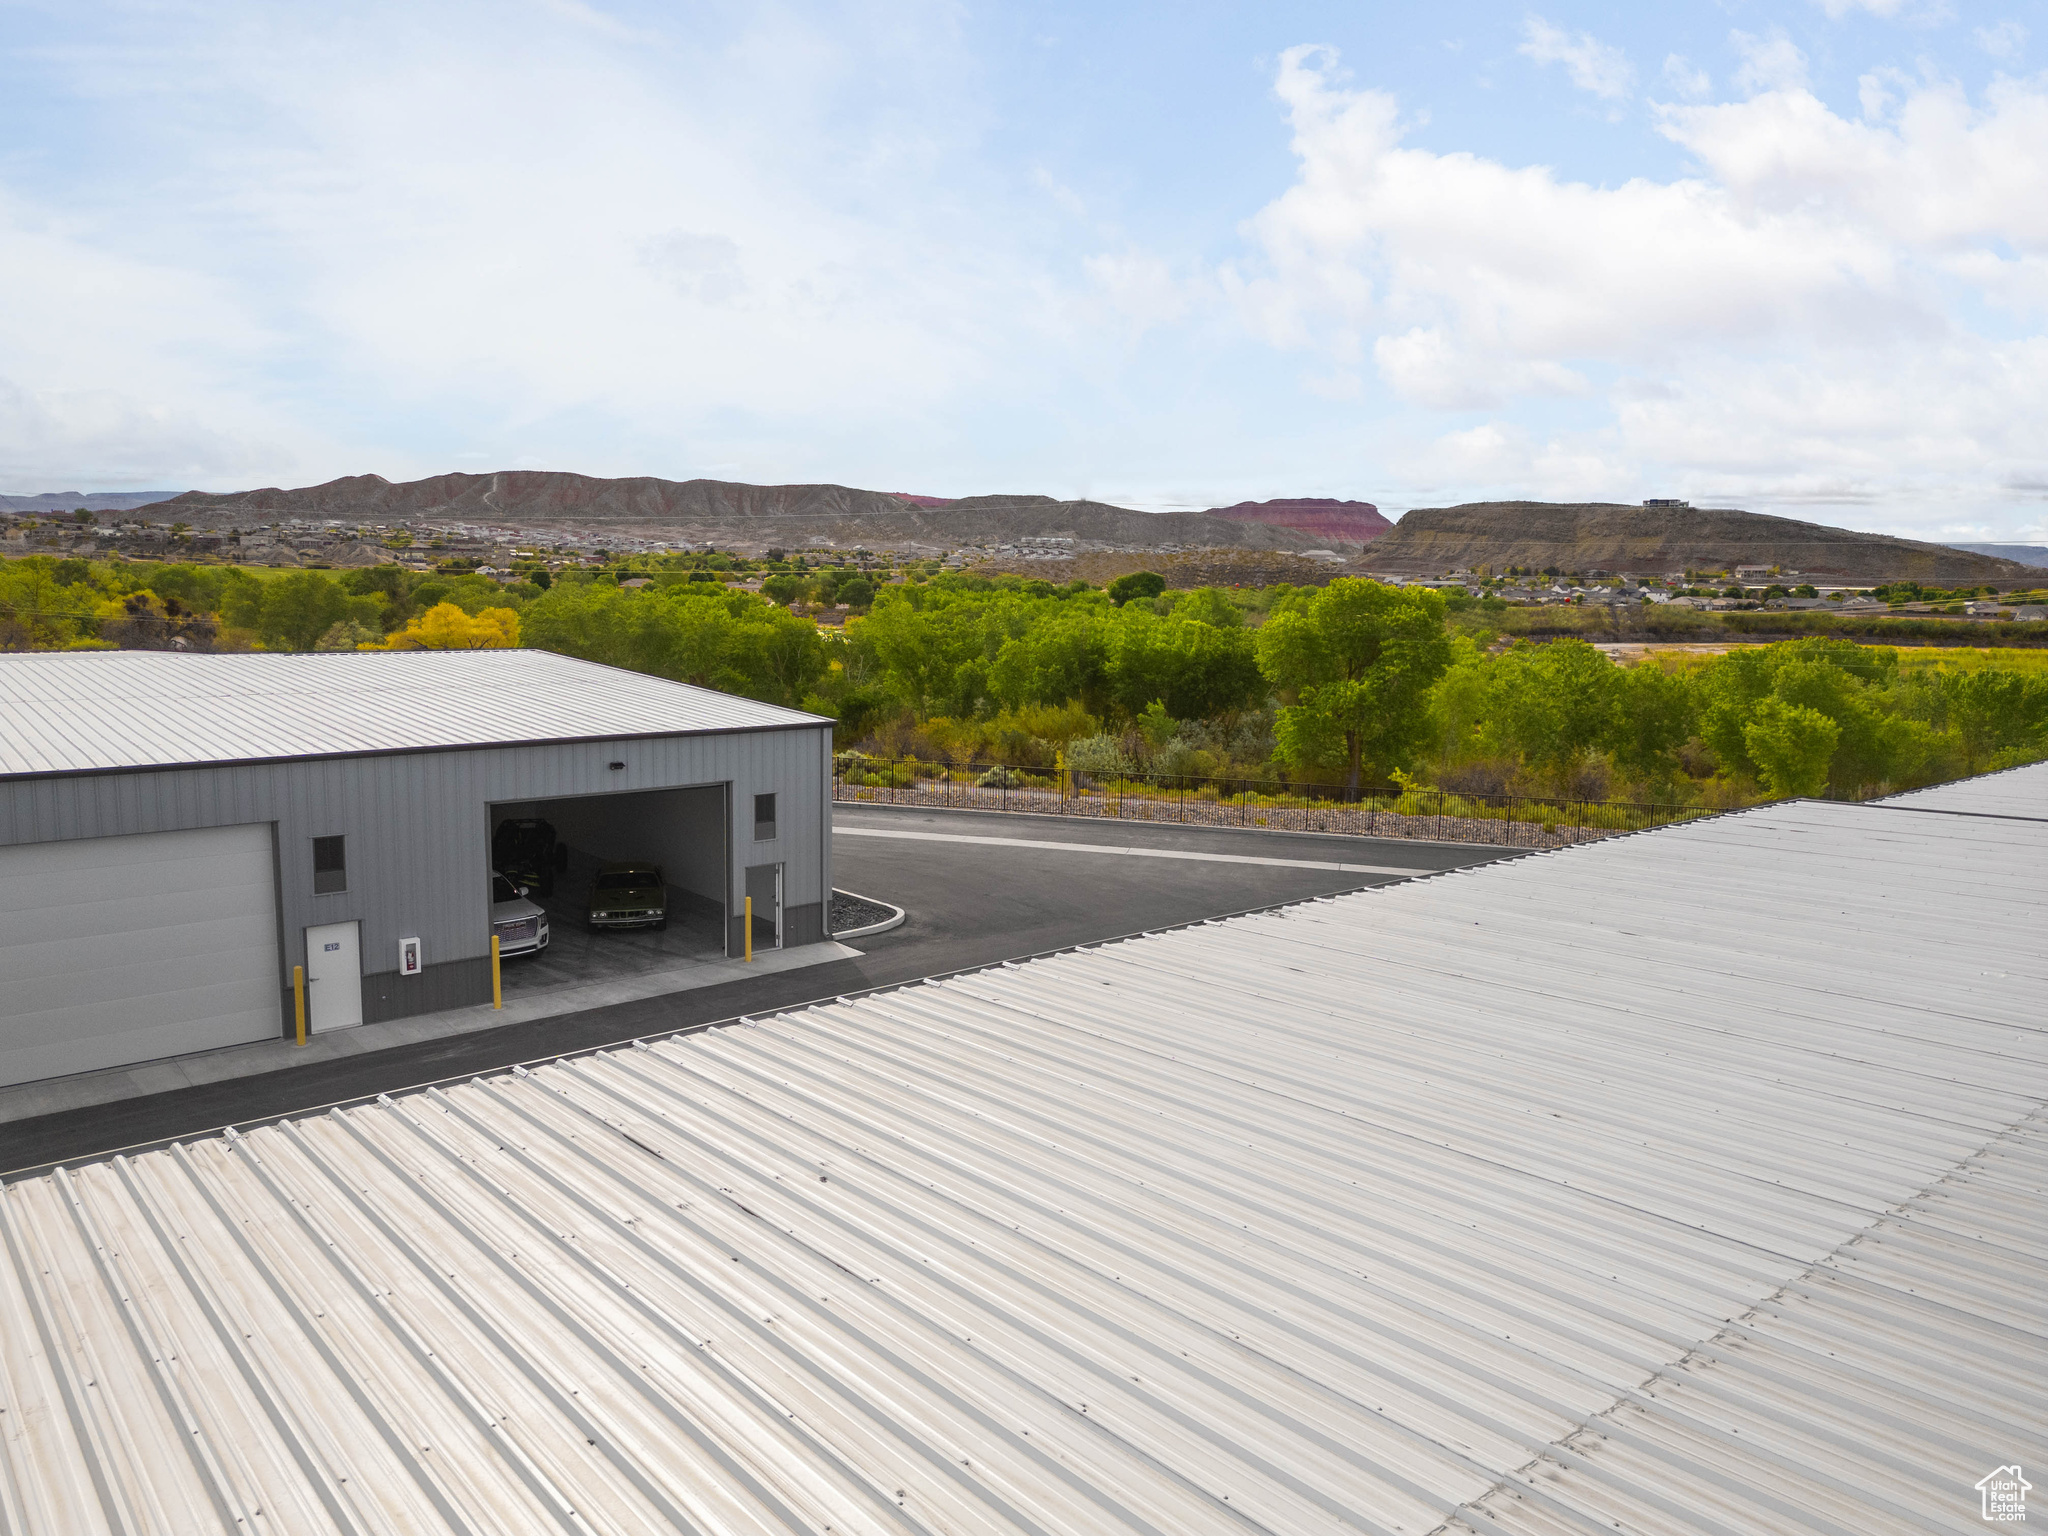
{"x":1515,"y":821}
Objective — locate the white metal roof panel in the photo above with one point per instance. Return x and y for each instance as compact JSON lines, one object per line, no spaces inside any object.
{"x":1689,"y":1182}
{"x":95,"y":711}
{"x":2015,"y":792}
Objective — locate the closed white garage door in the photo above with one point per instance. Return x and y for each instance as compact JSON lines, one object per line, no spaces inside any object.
{"x":123,"y":949}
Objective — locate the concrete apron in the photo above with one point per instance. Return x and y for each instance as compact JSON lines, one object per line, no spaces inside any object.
{"x":24,"y":1101}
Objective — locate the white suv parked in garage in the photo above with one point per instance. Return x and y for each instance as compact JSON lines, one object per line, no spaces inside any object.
{"x":521,"y":926}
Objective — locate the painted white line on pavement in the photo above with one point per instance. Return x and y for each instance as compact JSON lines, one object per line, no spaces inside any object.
{"x":1128,"y":851}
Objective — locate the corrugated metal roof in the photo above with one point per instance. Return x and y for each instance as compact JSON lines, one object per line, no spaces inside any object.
{"x":1688,"y":1182}
{"x":2015,"y":792}
{"x":82,"y":712}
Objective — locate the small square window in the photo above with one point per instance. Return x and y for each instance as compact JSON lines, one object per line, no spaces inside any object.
{"x":330,"y":865}
{"x":764,"y":817}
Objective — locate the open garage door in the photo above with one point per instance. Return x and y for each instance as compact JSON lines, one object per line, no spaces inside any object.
{"x":115,"y":950}
{"x":587,"y":861}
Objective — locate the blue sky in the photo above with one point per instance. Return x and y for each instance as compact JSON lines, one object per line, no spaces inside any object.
{"x":1786,"y":256}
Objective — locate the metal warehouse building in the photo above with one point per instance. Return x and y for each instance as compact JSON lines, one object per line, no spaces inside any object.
{"x":1690,"y":1182}
{"x":178,"y":832}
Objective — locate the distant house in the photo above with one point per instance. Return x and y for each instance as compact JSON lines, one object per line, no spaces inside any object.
{"x":1666,"y":504}
{"x":2030,"y":613}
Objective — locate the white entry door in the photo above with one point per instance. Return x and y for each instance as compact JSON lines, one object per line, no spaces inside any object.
{"x":334,"y":977}
{"x":764,"y":888}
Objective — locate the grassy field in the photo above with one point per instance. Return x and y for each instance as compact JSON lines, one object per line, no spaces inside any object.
{"x":1912,"y":658}
{"x":1958,"y":658}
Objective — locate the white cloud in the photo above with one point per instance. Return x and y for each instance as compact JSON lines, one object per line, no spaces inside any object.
{"x":126,"y":371}
{"x":1592,"y":64}
{"x":1798,"y":321}
{"x":1430,"y":366}
{"x":698,"y":266}
{"x":1837,"y":9}
{"x":1772,"y":63}
{"x":1942,"y":175}
{"x":2007,"y":40}
{"x":1877,"y":90}
{"x":1137,"y":289}
{"x":501,"y":228}
{"x":1682,"y":79}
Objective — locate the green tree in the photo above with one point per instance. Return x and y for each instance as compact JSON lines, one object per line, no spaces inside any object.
{"x":37,"y":611}
{"x":1139,"y":585}
{"x":1457,"y":707}
{"x":705,"y":635}
{"x":773,"y":655}
{"x":298,"y":609}
{"x":1359,"y":659}
{"x":784,"y":589}
{"x":241,"y":600}
{"x":1993,"y":710}
{"x":1792,"y":746}
{"x":348,"y":635}
{"x":1730,"y":691}
{"x":1554,"y":704}
{"x":1656,"y":713}
{"x":1210,"y":605}
{"x":1196,"y":671}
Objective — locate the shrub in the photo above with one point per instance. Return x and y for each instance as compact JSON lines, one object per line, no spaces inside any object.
{"x":1102,"y":757}
{"x":1181,"y":758}
{"x":1139,"y":585}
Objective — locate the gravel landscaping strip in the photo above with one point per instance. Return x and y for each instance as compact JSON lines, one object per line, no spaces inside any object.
{"x":851,"y":912}
{"x":1348,"y":820}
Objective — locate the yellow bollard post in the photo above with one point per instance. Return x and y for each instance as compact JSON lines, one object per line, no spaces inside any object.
{"x":750,"y":930}
{"x":497,"y":988}
{"x":299,"y":999}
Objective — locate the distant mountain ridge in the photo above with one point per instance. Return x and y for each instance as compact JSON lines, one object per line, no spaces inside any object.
{"x":58,"y":502}
{"x":1589,"y":536}
{"x":1323,"y":517}
{"x":725,"y":512}
{"x":2035,"y":555}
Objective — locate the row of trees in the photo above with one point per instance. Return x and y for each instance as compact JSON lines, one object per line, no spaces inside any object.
{"x":1353,"y":684}
{"x":1360,"y":684}
{"x":46,"y":603}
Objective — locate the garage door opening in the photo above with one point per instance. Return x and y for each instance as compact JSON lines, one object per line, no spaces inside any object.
{"x":598,"y":886}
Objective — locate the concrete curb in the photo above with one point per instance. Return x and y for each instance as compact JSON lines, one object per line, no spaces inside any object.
{"x":872,"y":928}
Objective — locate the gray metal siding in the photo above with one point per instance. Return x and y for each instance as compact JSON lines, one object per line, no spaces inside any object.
{"x":803,"y":924}
{"x":457,"y":984}
{"x":418,"y":824}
